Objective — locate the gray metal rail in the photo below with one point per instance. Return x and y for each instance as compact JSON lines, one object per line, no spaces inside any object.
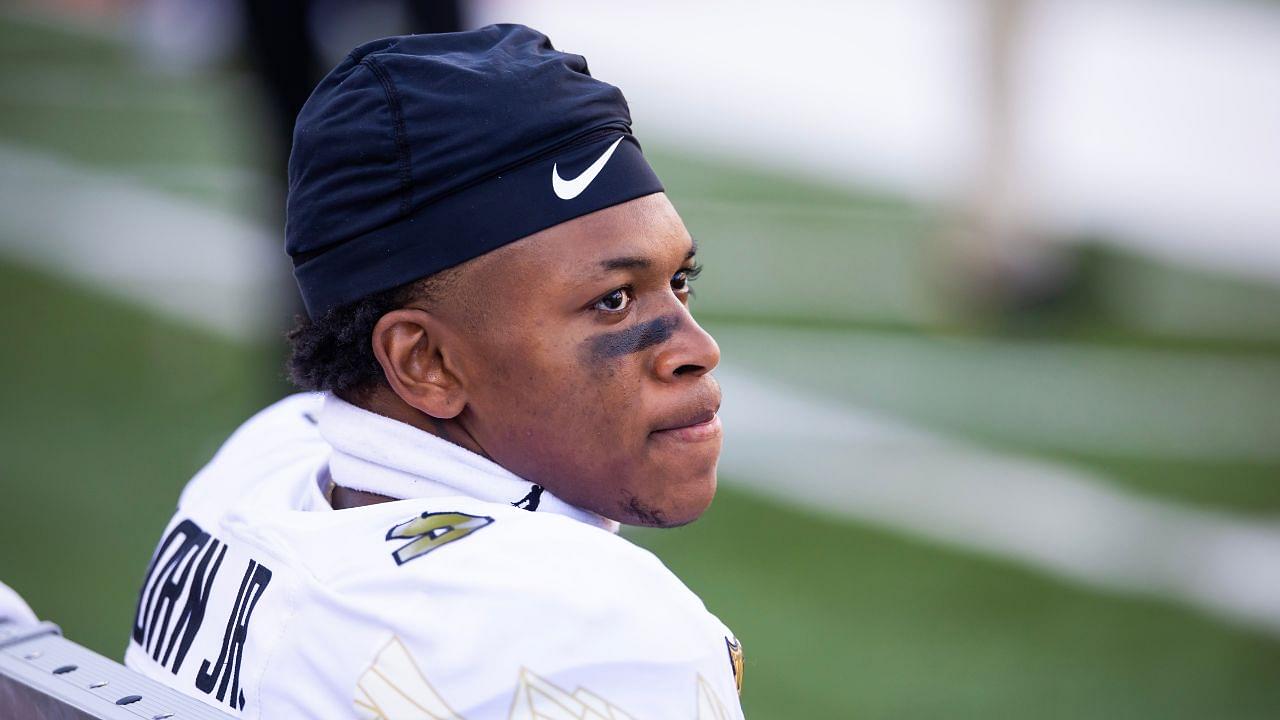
{"x":44,"y":676}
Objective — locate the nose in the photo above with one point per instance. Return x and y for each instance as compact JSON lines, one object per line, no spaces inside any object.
{"x":690,"y":353}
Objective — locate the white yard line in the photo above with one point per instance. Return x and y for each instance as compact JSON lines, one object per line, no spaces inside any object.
{"x":211,"y":269}
{"x":1049,"y":395}
{"x":86,"y":88}
{"x":846,"y":462}
{"x":177,"y":256}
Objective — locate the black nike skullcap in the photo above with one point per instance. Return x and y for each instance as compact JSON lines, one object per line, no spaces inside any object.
{"x":418,"y":153}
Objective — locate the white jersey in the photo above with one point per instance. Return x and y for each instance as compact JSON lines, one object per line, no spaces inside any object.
{"x":13,"y":609}
{"x":456,"y":602}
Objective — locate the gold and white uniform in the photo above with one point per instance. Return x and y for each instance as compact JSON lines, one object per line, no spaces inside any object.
{"x":456,"y":601}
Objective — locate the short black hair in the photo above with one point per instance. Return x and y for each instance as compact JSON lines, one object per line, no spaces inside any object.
{"x":335,"y":352}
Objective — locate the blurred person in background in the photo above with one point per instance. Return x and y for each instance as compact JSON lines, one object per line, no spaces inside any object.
{"x":285,"y":53}
{"x":287,"y":45}
{"x":286,"y":56}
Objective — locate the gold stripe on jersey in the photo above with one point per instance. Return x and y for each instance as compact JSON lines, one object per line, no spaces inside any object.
{"x":735,"y":661}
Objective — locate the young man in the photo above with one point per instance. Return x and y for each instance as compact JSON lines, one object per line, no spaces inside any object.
{"x":506,"y":369}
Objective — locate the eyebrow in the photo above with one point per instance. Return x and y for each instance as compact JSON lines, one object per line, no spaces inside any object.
{"x":634,"y":262}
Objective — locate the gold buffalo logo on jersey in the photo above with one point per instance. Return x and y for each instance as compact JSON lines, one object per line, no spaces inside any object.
{"x":431,"y":531}
{"x":735,"y":661}
{"x":394,"y":688}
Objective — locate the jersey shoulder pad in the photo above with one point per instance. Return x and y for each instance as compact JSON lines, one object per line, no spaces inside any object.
{"x":278,"y":436}
{"x":572,"y":577}
{"x":448,"y":586}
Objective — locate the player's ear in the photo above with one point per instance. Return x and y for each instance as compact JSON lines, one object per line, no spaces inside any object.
{"x":410,"y":346}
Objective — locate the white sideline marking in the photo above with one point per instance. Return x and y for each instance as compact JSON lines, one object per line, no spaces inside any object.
{"x":838,"y":460}
{"x":1050,"y":395}
{"x":88,"y":88}
{"x":177,"y":256}
{"x":210,"y":269}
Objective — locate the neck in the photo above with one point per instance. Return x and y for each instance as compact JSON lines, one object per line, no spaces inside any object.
{"x":342,"y":498}
{"x":381,"y":452}
{"x":384,"y":401}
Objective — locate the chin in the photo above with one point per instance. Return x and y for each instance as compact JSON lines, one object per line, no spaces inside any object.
{"x":690,"y":498}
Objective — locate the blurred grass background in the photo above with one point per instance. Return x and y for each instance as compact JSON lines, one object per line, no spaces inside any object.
{"x":110,"y":407}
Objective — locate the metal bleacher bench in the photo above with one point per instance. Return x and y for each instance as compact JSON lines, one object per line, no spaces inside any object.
{"x":44,"y":676}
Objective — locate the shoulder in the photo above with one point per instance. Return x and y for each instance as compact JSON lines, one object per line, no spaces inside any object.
{"x":500,"y":554}
{"x":588,"y":577}
{"x":532,"y":600}
{"x":293,"y":418}
{"x":278,"y":437}
{"x":505,"y":569}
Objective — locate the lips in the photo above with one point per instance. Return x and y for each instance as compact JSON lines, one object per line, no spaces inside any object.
{"x":693,"y":424}
{"x":707,"y":430}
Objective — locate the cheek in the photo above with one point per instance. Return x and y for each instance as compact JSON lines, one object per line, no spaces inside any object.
{"x":602,"y":402}
{"x":559,"y":411}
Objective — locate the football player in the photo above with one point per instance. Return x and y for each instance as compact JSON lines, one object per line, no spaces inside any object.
{"x":504,"y":368}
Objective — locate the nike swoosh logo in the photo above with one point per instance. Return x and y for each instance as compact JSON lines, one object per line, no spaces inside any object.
{"x":570,"y":189}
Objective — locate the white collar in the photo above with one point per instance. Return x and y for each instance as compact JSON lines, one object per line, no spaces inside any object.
{"x":376,"y":454}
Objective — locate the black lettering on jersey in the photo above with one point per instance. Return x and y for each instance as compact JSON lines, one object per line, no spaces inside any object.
{"x":187,"y":570}
{"x":227,"y":668}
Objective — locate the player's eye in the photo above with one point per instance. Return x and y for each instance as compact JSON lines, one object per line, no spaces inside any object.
{"x":616,"y":301}
{"x":682,"y":281}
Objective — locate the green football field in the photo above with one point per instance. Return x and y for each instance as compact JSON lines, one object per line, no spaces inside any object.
{"x":1162,"y":381}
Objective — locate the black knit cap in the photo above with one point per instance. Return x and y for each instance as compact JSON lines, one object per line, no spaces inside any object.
{"x":420,"y":152}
